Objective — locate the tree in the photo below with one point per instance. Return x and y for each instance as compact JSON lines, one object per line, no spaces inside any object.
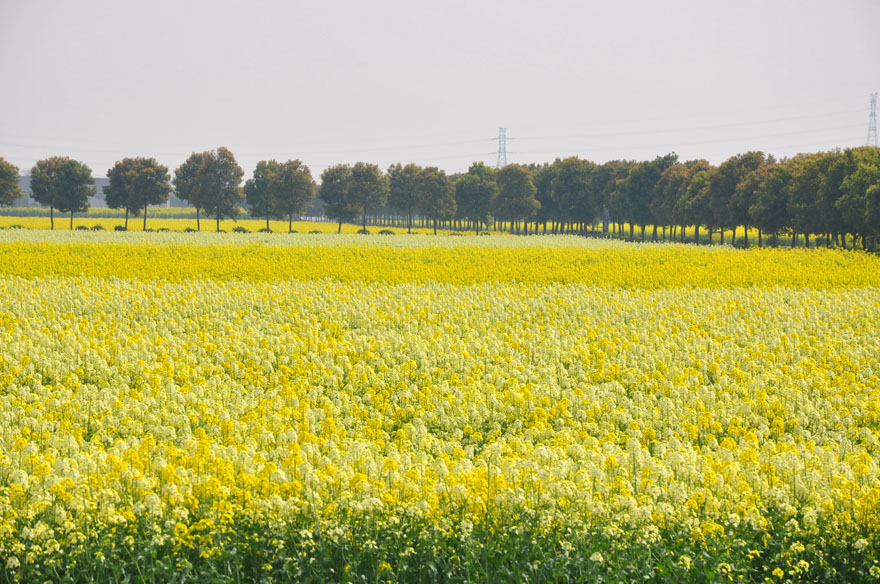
{"x":210,"y":181}
{"x":367,"y":188}
{"x":63,"y":184}
{"x":694,"y":205}
{"x":474,"y":191}
{"x":191,"y":182}
{"x":570,"y":190}
{"x":256,"y":190}
{"x":333,"y":191}
{"x":515,"y":199}
{"x":805,"y":206}
{"x":9,"y":187}
{"x":436,"y":195}
{"x":639,"y":191}
{"x":402,"y":195}
{"x":135,"y":184}
{"x":731,"y":207}
{"x":291,"y":188}
{"x":668,"y":192}
{"x":872,"y":211}
{"x":769,"y":212}
{"x":864,"y":171}
{"x":607,"y":183}
{"x":542,"y":178}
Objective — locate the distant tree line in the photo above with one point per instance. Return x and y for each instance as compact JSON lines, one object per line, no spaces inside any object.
{"x":833,"y":195}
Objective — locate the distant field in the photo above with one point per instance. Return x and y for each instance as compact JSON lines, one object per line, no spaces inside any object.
{"x":180,"y":224}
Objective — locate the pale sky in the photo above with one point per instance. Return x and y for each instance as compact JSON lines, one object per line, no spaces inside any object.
{"x":390,"y":81}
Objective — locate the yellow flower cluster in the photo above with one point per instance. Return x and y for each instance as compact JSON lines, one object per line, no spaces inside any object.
{"x":207,"y":224}
{"x":402,"y":259}
{"x":185,"y":404}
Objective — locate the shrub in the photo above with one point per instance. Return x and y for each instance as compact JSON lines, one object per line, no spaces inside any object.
{"x":293,"y":231}
{"x":189,"y":230}
{"x":163,"y":229}
{"x":97,"y":227}
{"x":240,"y":229}
{"x":455,"y":234}
{"x":120,"y":228}
{"x":16,"y":226}
{"x":314,"y":231}
{"x":265,"y":230}
{"x":386,"y":232}
{"x":485,"y":233}
{"x":363,"y":231}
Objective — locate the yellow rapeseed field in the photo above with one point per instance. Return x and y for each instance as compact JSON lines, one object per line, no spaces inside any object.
{"x":162,"y":394}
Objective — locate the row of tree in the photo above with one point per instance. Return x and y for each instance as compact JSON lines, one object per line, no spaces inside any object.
{"x":831,"y":194}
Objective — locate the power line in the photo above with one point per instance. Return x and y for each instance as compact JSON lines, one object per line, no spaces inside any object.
{"x":690,"y":129}
{"x":697,"y":143}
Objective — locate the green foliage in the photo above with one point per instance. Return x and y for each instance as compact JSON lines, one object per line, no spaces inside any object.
{"x":402,"y":194}
{"x":570,"y":189}
{"x":63,"y":184}
{"x":436,"y":194}
{"x":290,"y":187}
{"x":240,"y":229}
{"x":136,"y":183}
{"x":769,"y":212}
{"x":516,"y":194}
{"x":210,"y":181}
{"x":9,"y":187}
{"x":256,"y":190}
{"x":334,"y":192}
{"x":508,"y":546}
{"x":474,"y":192}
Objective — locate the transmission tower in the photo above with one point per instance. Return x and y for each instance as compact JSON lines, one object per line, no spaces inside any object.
{"x":872,"y":122}
{"x":502,"y":147}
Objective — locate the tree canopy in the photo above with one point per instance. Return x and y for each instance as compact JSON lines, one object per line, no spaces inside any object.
{"x":9,"y":187}
{"x":210,"y":181}
{"x":135,"y":184}
{"x":63,"y":184}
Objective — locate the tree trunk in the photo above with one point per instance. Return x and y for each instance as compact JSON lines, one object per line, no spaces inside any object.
{"x":710,"y":236}
{"x":71,"y":220}
{"x":794,"y":239}
{"x":409,"y":224}
{"x":52,"y":217}
{"x":760,"y":242}
{"x":696,"y":234}
{"x":126,"y":218}
{"x":746,"y":235}
{"x":632,"y":234}
{"x":145,"y":218}
{"x":267,"y":220}
{"x":722,"y":236}
{"x":198,"y":222}
{"x":290,"y":222}
{"x":218,"y":222}
{"x":806,"y":240}
{"x":340,"y":225}
{"x":733,"y":236}
{"x":654,"y":233}
{"x":435,"y":227}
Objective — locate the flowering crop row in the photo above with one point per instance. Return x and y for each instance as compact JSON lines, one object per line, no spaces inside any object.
{"x":400,"y":259}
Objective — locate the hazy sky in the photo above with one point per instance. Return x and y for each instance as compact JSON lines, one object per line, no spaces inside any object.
{"x":431,"y":82}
